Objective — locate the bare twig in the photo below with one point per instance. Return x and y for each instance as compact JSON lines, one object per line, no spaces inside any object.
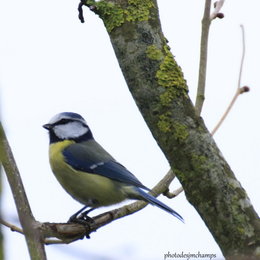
{"x":11,"y":226}
{"x":54,"y":242}
{"x":240,"y":90}
{"x":173,"y":194}
{"x":32,"y":233}
{"x":243,"y":56}
{"x":203,"y":57}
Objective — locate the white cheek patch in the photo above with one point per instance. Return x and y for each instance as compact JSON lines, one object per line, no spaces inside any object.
{"x":70,"y":130}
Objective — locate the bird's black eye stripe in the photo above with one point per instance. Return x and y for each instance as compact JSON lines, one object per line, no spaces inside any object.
{"x":63,"y":121}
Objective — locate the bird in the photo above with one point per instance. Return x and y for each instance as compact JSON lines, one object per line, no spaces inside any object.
{"x":87,"y":171}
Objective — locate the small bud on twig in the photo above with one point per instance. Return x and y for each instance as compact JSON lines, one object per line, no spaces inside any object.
{"x":244,"y":89}
{"x":217,"y":6}
{"x":220,"y":15}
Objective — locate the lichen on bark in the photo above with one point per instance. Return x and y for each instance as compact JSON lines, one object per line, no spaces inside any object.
{"x":115,"y":13}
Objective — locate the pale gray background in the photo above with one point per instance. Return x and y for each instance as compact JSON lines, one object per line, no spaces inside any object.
{"x":50,"y":62}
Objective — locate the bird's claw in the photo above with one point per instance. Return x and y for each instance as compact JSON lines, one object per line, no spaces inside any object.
{"x":81,"y":219}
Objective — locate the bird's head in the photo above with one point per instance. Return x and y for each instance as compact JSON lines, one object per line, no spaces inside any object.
{"x":68,"y":126}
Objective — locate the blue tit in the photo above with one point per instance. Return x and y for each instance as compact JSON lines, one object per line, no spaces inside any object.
{"x":87,"y":171}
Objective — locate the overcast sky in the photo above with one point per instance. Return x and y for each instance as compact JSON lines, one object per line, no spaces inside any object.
{"x":50,"y":63}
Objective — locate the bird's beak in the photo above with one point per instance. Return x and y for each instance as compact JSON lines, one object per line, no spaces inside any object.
{"x":47,"y":126}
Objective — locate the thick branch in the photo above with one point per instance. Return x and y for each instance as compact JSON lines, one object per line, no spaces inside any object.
{"x":159,"y":89}
{"x":30,"y":226}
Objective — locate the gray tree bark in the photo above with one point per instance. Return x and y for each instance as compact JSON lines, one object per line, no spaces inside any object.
{"x":161,"y":94}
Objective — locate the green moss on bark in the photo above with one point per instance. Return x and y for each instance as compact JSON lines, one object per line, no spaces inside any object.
{"x":114,"y":15}
{"x":138,"y":10}
{"x":181,"y":131}
{"x":154,"y":53}
{"x":170,"y":75}
{"x":164,"y":123}
{"x":171,"y":81}
{"x":167,"y":124}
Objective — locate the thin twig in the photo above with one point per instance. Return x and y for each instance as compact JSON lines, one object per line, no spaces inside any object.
{"x":240,"y":90}
{"x":54,"y":242}
{"x":243,"y":56}
{"x":174,"y":193}
{"x":11,"y":226}
{"x":203,"y":57}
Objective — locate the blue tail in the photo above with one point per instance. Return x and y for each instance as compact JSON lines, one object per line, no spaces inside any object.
{"x":149,"y":198}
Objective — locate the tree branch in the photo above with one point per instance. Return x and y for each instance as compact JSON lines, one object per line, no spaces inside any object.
{"x":157,"y":85}
{"x":203,"y":57}
{"x":242,"y":56}
{"x":174,"y":193}
{"x":30,"y":226}
{"x":11,"y":226}
{"x":240,"y":90}
{"x":67,"y":232}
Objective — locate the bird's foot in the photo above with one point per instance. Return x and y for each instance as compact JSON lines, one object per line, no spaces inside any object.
{"x":83,"y":218}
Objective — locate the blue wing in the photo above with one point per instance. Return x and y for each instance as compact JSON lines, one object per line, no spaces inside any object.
{"x":91,"y":158}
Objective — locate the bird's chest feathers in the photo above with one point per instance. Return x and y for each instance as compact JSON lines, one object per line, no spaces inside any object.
{"x":57,"y":161}
{"x":81,"y":185}
{"x":61,"y":169}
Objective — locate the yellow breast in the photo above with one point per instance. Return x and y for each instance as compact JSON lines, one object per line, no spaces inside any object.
{"x":88,"y":188}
